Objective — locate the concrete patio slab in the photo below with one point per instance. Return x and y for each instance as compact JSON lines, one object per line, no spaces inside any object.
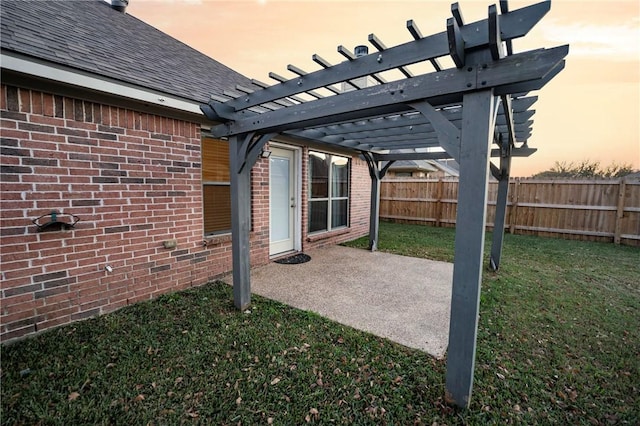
{"x":404,"y":299}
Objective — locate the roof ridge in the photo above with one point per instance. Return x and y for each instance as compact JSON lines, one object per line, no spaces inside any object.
{"x":83,"y":35}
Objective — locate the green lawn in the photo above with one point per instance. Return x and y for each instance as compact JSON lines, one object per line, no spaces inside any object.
{"x":558,"y":343}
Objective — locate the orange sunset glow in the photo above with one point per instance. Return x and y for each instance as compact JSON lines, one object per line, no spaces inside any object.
{"x":590,"y":111}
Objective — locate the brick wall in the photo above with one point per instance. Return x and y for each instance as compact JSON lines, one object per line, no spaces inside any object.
{"x":134,"y":181}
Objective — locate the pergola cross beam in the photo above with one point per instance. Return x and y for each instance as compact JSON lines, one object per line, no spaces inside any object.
{"x":443,"y":87}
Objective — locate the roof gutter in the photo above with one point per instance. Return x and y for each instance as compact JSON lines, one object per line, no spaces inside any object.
{"x":23,"y":64}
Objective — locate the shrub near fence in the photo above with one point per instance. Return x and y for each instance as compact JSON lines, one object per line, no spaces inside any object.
{"x":594,"y":210}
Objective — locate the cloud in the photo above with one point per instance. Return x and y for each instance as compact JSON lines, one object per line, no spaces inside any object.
{"x":610,"y":42}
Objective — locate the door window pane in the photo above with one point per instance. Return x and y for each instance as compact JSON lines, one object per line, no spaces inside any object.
{"x":280,"y":202}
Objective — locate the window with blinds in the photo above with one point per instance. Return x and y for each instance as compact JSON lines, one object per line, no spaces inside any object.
{"x":216,"y":186}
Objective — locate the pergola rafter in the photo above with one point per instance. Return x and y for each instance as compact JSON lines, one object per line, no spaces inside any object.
{"x":438,"y":88}
{"x":457,"y":112}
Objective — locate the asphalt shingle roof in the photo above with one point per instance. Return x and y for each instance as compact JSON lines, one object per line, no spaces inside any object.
{"x":89,"y":35}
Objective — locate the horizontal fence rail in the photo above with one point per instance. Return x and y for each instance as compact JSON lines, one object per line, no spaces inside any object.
{"x":593,"y":210}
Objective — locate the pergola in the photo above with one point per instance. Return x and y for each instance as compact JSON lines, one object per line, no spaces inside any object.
{"x":474,"y":110}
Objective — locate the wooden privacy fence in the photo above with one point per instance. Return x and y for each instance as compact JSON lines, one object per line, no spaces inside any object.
{"x":594,"y":210}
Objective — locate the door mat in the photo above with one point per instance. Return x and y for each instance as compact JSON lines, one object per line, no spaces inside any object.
{"x":294,"y":259}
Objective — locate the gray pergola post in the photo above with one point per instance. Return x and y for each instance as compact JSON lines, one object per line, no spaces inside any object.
{"x":240,"y":222}
{"x":477,"y":133}
{"x":501,"y":212}
{"x":376,"y":173}
{"x":244,"y":150}
{"x":374,"y":215}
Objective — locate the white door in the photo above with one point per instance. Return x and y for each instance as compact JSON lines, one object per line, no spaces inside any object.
{"x":282,"y":200}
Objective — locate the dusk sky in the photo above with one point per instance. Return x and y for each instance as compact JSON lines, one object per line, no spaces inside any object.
{"x":590,"y":111}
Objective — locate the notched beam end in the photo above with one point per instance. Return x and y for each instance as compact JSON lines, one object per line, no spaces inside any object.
{"x":346,"y":53}
{"x":277,"y":77}
{"x":296,"y":70}
{"x":495,"y":40}
{"x":456,"y":43}
{"x":457,"y":14}
{"x":209,"y":112}
{"x":244,"y":89}
{"x":221,"y":130}
{"x":217,"y":111}
{"x":504,"y":8}
{"x":524,"y":151}
{"x":519,"y":22}
{"x":414,"y":30}
{"x":535,"y":84}
{"x":320,"y":61}
{"x":376,"y":42}
{"x":259,"y":83}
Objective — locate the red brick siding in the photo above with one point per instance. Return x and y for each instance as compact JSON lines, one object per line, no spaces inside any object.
{"x":259,"y":213}
{"x":134,"y":180}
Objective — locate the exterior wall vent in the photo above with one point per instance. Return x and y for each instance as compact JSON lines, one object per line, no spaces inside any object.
{"x":361,"y":82}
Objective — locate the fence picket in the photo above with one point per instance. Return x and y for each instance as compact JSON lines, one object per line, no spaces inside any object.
{"x":595,"y":210}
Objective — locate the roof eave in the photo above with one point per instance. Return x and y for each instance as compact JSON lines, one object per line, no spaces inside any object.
{"x":37,"y":68}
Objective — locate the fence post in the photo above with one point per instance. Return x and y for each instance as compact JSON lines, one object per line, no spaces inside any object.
{"x":439,"y":190}
{"x":507,"y":218}
{"x":622,"y":189}
{"x":513,"y":214}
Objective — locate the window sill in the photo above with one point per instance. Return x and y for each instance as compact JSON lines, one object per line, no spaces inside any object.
{"x":214,"y":240}
{"x":326,"y":235}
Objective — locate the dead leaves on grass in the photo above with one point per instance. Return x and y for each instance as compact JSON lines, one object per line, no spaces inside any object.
{"x":314,"y":414}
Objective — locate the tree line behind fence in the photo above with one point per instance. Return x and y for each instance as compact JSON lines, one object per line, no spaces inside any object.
{"x":594,"y":210}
